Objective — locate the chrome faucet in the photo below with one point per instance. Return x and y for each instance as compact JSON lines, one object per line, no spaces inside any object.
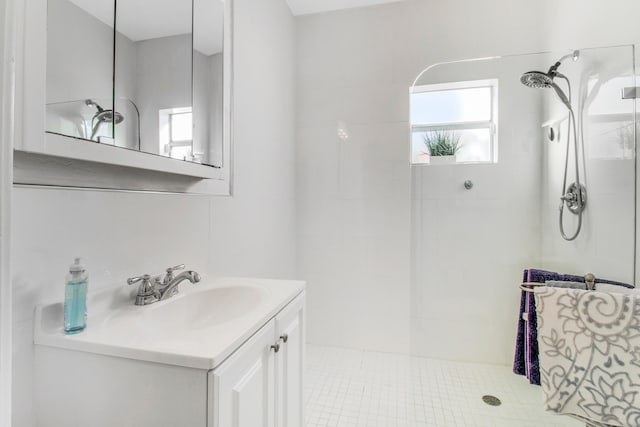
{"x":154,"y":289}
{"x":171,"y":288}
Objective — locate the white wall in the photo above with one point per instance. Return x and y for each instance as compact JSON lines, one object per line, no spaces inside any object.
{"x":574,"y":24}
{"x":79,"y":54}
{"x":5,"y":199}
{"x":256,"y":227}
{"x":122,"y":234}
{"x":354,"y":238}
{"x":354,"y":197}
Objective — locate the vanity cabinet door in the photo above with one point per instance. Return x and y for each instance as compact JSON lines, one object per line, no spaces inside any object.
{"x":289,"y":365}
{"x":243,"y":392}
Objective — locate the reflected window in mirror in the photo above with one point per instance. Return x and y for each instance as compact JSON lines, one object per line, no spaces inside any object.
{"x":176,"y":134}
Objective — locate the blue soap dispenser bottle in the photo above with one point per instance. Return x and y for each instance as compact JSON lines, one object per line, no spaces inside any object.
{"x":75,"y":299}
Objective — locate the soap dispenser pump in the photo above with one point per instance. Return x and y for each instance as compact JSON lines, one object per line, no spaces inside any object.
{"x":75,"y":299}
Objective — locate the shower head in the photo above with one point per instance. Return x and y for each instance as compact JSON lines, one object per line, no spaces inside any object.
{"x":104,"y":116}
{"x":108,"y":116}
{"x":536,"y":79}
{"x":539,"y":79}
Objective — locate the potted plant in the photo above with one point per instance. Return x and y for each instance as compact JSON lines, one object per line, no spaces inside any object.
{"x":442,"y":146}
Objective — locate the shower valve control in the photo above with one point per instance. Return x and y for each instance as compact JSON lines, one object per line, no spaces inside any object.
{"x":575,"y":202}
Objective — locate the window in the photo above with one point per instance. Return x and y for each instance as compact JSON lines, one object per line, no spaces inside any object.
{"x":176,"y":133}
{"x":466,"y":111}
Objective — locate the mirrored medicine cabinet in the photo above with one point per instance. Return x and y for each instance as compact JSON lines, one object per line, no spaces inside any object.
{"x":139,"y":84}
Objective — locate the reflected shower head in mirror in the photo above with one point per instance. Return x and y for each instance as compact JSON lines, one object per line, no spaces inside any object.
{"x":108,"y":116}
{"x":92,"y":103}
{"x":102,"y":116}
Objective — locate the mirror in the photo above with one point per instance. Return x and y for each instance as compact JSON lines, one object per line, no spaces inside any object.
{"x":163,"y":93}
{"x":80,"y":69}
{"x":208,"y":88}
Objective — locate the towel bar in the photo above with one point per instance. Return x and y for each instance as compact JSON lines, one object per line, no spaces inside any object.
{"x":524,"y":285}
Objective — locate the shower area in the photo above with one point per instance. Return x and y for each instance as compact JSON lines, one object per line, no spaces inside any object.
{"x":420,"y":265}
{"x":569,"y":125}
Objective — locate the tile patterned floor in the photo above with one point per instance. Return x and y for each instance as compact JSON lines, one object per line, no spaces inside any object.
{"x":353,"y":388}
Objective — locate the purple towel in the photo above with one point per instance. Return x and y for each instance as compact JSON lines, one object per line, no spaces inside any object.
{"x":526,"y":356}
{"x":526,"y":359}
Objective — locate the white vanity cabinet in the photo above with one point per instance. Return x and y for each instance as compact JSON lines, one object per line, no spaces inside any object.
{"x":257,"y":384}
{"x":261,"y":384}
{"x":289,"y":366}
{"x":243,"y":388}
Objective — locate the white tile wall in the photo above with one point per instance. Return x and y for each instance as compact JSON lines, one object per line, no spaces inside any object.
{"x":356,"y":198}
{"x":353,"y":200}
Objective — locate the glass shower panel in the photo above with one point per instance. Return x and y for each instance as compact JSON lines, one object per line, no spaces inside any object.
{"x":606,"y":138}
{"x":469,"y":246}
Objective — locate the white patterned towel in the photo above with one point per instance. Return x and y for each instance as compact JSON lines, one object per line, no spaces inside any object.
{"x":590,"y":354}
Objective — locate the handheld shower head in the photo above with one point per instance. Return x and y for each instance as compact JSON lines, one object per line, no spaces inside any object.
{"x":108,"y":116}
{"x":536,"y":79}
{"x":539,"y":79}
{"x":102,"y":116}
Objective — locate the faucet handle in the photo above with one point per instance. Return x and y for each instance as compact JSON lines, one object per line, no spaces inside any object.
{"x":136,"y":279}
{"x":169,"y":276}
{"x":177,"y":267}
{"x":147,"y":292}
{"x":146,"y":287}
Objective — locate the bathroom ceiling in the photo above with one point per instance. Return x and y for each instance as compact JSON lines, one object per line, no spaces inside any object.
{"x":305,"y":7}
{"x":150,"y":19}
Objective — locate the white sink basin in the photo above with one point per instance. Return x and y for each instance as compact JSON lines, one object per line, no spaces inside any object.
{"x":200,"y":310}
{"x":197,"y":328}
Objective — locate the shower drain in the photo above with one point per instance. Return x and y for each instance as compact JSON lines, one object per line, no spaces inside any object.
{"x":491,"y":400}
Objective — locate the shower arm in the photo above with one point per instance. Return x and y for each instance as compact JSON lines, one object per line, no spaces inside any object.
{"x":553,"y":70}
